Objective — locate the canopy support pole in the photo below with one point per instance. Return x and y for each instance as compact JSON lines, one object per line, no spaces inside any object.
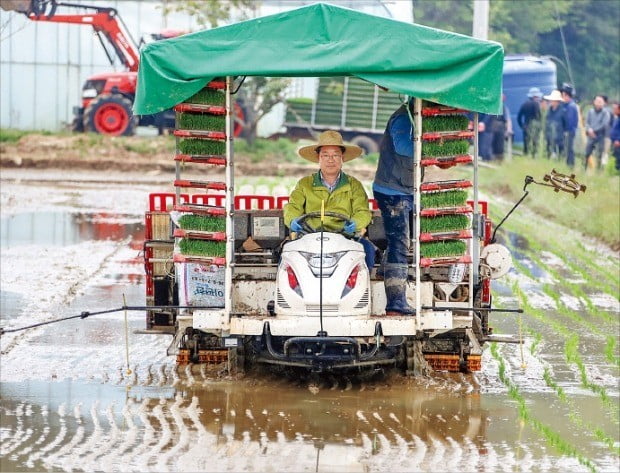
{"x":230,"y":198}
{"x":476,"y":223}
{"x":417,"y":159}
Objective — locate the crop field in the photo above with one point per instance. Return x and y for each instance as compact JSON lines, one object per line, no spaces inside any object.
{"x":69,"y":403}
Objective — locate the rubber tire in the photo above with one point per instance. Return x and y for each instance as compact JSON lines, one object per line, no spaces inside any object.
{"x":120,"y":106}
{"x":366,"y":143}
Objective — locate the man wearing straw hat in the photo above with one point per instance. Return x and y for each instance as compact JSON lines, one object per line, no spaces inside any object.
{"x":341,"y":193}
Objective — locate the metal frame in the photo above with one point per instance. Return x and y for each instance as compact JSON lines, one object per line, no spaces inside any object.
{"x":230,"y":199}
{"x":477,"y":231}
{"x":417,"y":176}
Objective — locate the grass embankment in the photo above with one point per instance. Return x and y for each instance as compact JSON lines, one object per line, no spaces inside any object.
{"x":594,"y":213}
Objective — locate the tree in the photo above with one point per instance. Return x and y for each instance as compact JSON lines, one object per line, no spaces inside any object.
{"x":590,"y":29}
{"x":258,"y":95}
{"x":210,"y":12}
{"x":592,"y":41}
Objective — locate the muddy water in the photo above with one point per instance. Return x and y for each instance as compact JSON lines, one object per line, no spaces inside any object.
{"x":71,"y":399}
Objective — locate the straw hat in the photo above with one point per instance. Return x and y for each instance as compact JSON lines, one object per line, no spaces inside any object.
{"x":534,"y":92}
{"x":329,"y":138}
{"x":556,"y":95}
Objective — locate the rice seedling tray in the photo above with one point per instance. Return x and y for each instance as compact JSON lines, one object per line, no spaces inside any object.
{"x":444,"y":223}
{"x":436,"y":212}
{"x":445,"y":260}
{"x":202,"y":223}
{"x":201,"y":209}
{"x":214,"y":260}
{"x":208,"y":96}
{"x":444,"y":148}
{"x":200,"y":134}
{"x":445,"y":185}
{"x":213,"y":185}
{"x":218,"y":84}
{"x":445,"y":162}
{"x":443,"y":249}
{"x":451,"y":135}
{"x":199,"y":146}
{"x":441,"y":110}
{"x":445,"y":123}
{"x":200,"y":108}
{"x":445,"y":198}
{"x":199,"y":234}
{"x":441,"y":236}
{"x":215,"y":159}
{"x":201,"y":122}
{"x":208,"y":248}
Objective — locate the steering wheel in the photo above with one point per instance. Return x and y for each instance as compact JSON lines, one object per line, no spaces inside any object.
{"x":310,"y":229}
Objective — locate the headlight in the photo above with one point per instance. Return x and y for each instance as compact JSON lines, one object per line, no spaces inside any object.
{"x":89,"y":93}
{"x":329,"y":259}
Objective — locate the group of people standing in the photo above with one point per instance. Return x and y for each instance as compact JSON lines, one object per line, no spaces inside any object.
{"x":559,"y":118}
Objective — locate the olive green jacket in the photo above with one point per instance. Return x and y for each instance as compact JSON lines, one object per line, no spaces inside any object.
{"x":348,"y":198}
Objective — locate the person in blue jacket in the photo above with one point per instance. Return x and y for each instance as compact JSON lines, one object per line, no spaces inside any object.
{"x":571,"y":117}
{"x":614,"y":135}
{"x":393,"y":190}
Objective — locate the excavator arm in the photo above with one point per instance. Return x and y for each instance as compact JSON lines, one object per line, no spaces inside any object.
{"x":105,"y":21}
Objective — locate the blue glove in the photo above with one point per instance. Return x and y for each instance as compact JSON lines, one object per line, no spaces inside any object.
{"x":295,"y":226}
{"x":349,"y":226}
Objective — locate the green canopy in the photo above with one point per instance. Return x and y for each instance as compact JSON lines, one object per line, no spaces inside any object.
{"x":325,"y":40}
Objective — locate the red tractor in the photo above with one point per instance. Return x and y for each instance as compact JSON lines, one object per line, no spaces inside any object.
{"x":107,"y":98}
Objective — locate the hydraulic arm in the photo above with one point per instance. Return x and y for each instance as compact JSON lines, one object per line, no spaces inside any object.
{"x":104,"y":20}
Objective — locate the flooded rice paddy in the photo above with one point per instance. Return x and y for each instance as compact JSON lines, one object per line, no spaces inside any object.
{"x":69,"y":403}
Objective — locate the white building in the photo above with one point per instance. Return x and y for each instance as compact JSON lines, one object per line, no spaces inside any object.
{"x":44,"y":65}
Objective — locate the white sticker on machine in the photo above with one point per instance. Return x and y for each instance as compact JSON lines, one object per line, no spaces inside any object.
{"x":266,"y":227}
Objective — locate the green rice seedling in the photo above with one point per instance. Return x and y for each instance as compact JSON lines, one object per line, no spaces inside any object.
{"x":537,"y":339}
{"x":610,"y":350}
{"x":444,"y":148}
{"x":196,"y":146}
{"x":562,"y":309}
{"x":202,"y":247}
{"x":444,"y":223}
{"x":451,"y":198}
{"x":437,"y":249}
{"x":551,"y":436}
{"x":445,"y":123}
{"x":208,"y":96}
{"x":571,"y":344}
{"x":201,"y":121}
{"x":575,"y":289}
{"x":202,"y":223}
{"x":589,"y":256}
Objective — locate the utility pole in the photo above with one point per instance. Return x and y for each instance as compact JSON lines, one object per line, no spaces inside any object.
{"x":480,"y":27}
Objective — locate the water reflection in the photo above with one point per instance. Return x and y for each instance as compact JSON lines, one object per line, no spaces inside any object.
{"x":225,"y":424}
{"x":64,"y":228}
